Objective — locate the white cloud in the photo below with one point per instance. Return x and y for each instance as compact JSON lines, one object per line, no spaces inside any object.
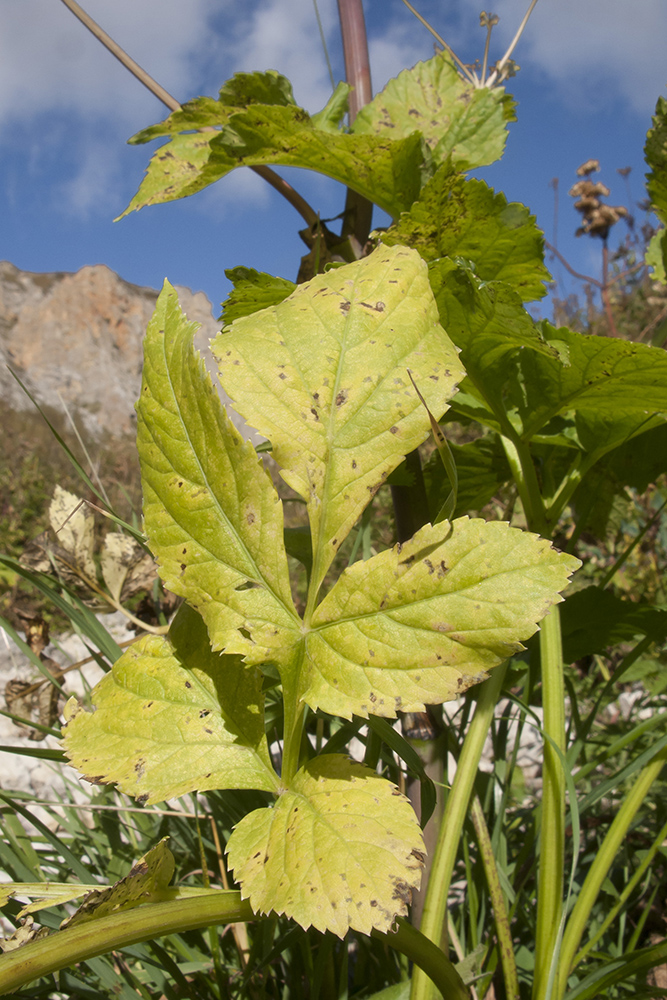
{"x":595,"y":51}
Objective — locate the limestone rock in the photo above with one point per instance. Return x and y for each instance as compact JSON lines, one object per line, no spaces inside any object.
{"x":75,"y":341}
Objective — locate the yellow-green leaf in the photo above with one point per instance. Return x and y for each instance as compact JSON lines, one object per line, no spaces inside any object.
{"x":213,"y":518}
{"x":146,"y":883}
{"x":341,"y":849}
{"x":173,"y":717}
{"x":422,"y":622}
{"x":324,"y":375}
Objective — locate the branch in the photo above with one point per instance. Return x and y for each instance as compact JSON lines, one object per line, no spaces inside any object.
{"x":275,"y":180}
{"x":470,"y":76}
{"x":575,"y":274}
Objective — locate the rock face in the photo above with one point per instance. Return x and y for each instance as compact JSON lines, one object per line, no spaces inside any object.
{"x":75,"y":341}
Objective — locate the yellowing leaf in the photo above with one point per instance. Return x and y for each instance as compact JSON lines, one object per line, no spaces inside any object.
{"x":456,"y":120}
{"x":341,"y":848}
{"x":324,"y":375}
{"x":212,"y":516}
{"x":173,"y":717}
{"x":146,"y":883}
{"x":422,"y":622}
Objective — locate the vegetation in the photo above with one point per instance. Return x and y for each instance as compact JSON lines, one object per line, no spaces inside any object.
{"x":295,"y":864}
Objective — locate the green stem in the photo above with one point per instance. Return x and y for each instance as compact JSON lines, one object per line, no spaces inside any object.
{"x":552,"y":827}
{"x":601,"y":866}
{"x":294,"y":720}
{"x":503,"y":929}
{"x":525,"y":477}
{"x":120,"y":930}
{"x":430,"y":961}
{"x":456,"y":809}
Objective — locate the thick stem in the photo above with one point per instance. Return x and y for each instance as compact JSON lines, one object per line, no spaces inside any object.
{"x":120,"y":930}
{"x":604,"y":291}
{"x":456,"y":810}
{"x":358,"y":210}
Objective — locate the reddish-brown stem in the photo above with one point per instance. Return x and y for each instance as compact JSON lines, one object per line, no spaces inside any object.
{"x":358,"y":210}
{"x":269,"y":175}
{"x":575,"y":274}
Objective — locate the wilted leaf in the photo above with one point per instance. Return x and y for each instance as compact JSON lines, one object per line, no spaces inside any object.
{"x":340,"y":849}
{"x":74,"y":525}
{"x":465,"y":218}
{"x":146,"y":883}
{"x":422,"y":622}
{"x":212,"y":516}
{"x":173,"y":717}
{"x":119,"y":554}
{"x":43,"y":894}
{"x":458,"y":121}
{"x":24,"y":934}
{"x":324,"y":376}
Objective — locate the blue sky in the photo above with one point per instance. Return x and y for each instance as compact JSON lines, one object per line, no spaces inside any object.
{"x":591,"y":72}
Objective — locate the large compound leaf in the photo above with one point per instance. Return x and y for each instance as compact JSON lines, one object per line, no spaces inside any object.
{"x":465,"y":218}
{"x":341,"y":849}
{"x":324,"y":376}
{"x":456,"y":120}
{"x":422,"y":622}
{"x":386,"y":171}
{"x":488,"y":322}
{"x":173,"y":717}
{"x":212,"y":516}
{"x":615,"y":388}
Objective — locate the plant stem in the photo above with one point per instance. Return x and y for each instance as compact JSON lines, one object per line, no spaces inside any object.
{"x":552,"y":826}
{"x":429,"y":959}
{"x":266,"y":173}
{"x":358,"y":210}
{"x":503,"y":929}
{"x":456,"y":809}
{"x":601,"y":866}
{"x":497,"y":73}
{"x":119,"y":930}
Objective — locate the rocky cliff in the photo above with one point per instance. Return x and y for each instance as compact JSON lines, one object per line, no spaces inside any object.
{"x":75,"y":341}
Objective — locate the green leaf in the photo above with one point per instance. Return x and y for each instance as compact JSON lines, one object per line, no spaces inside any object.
{"x":615,"y":388}
{"x":655,"y":152}
{"x":173,"y":717}
{"x":488,"y":322}
{"x":146,"y":883}
{"x":593,"y":620}
{"x":458,"y":217}
{"x":386,"y":172}
{"x":635,"y":464}
{"x":330,"y":117}
{"x":253,"y":290}
{"x":456,"y":120}
{"x":422,"y":622}
{"x":212,"y":516}
{"x":241,"y":91}
{"x":324,"y":376}
{"x":341,"y":849}
{"x":656,"y":255}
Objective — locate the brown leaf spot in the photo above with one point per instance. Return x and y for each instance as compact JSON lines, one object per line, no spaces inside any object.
{"x":341,"y":397}
{"x":250,"y":518}
{"x":142,"y":799}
